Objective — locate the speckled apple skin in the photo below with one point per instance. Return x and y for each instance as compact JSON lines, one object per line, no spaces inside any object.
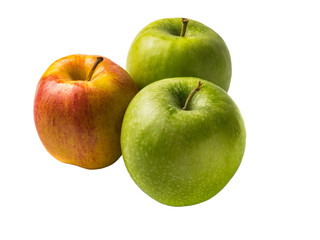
{"x":182,"y":157}
{"x":79,"y":121}
{"x":158,"y":52}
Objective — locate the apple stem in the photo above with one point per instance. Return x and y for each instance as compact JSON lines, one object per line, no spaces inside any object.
{"x":185,"y":22}
{"x":191,"y":95}
{"x":98,"y":60}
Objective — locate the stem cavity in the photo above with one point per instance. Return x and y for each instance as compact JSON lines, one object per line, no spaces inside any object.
{"x":98,"y":60}
{"x":191,"y":95}
{"x":185,"y":22}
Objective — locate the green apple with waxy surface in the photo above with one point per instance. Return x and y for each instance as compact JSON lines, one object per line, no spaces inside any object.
{"x":175,"y":47}
{"x":182,"y":140}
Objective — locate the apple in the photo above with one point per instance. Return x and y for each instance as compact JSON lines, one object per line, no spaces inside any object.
{"x":170,"y":48}
{"x":78,"y":109}
{"x":182,"y":140}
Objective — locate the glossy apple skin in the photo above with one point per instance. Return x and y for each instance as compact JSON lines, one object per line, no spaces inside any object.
{"x":159,"y":52}
{"x":79,"y":121}
{"x":182,"y":157}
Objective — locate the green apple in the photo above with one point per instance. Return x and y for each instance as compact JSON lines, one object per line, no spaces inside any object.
{"x":170,"y":48}
{"x":182,"y":142}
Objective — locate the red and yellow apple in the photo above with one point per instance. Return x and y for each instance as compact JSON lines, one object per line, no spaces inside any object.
{"x":79,"y":106}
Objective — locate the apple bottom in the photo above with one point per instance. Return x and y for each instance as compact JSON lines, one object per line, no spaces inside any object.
{"x":79,"y":126}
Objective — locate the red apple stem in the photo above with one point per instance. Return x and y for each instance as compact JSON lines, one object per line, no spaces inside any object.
{"x":98,"y":60}
{"x":191,"y":95}
{"x":185,"y":22}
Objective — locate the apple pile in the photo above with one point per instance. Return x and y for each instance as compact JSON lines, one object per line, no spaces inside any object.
{"x":181,"y":135}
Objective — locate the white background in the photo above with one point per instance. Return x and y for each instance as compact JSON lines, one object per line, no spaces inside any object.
{"x":275,"y":194}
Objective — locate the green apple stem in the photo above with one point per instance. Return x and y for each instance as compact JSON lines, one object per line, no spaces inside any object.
{"x":98,"y":60}
{"x":191,"y":95}
{"x":185,"y":22}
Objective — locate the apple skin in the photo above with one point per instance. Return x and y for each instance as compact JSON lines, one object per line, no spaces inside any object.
{"x":182,"y":157}
{"x":158,"y":52}
{"x":79,"y":121}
